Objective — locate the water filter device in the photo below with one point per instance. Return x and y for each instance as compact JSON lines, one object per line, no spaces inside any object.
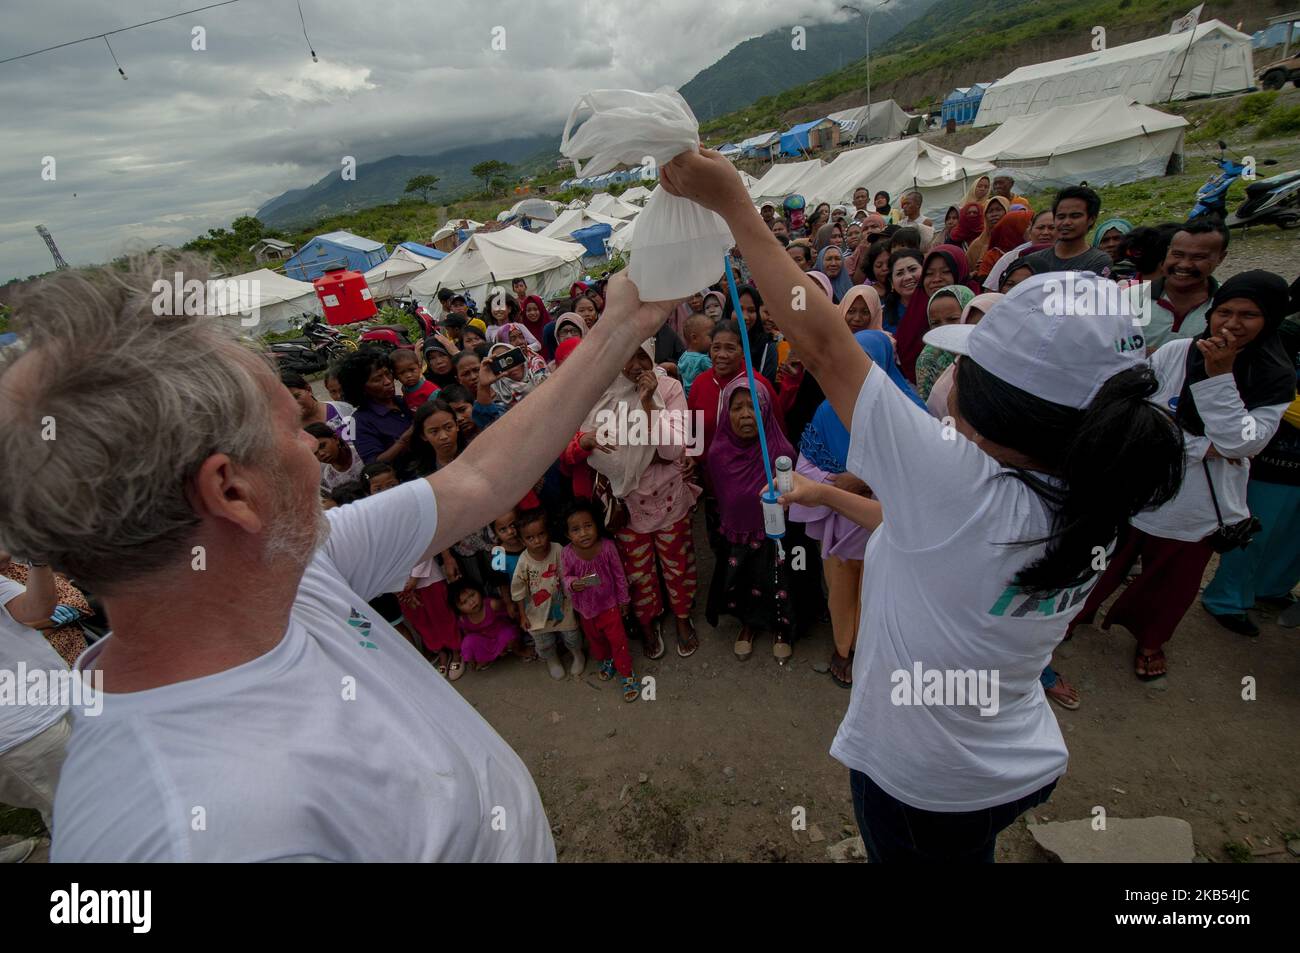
{"x":784,"y":475}
{"x":773,"y":515}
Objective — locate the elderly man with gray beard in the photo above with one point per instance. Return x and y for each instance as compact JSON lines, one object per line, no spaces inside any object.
{"x":256,"y":708}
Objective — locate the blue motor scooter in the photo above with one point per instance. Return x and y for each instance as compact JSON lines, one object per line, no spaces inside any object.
{"x":1275,"y":200}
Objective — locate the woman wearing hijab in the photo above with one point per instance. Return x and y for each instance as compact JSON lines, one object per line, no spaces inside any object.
{"x":994,"y":210}
{"x":946,"y":306}
{"x":970,"y":226}
{"x":715,"y":304}
{"x":650,"y":476}
{"x":979,"y":192}
{"x":1228,"y":389}
{"x":564,"y":328}
{"x":885,"y":210}
{"x":727,"y":355}
{"x":944,"y":265}
{"x":516,"y":335}
{"x":861,"y":309}
{"x":517,"y":383}
{"x":752,"y":579}
{"x":1009,"y":233}
{"x":762,"y":349}
{"x":1110,"y":233}
{"x":535,"y":317}
{"x":976,"y":308}
{"x":830,"y":262}
{"x":828,"y":236}
{"x":823,"y":452}
{"x":439,"y":368}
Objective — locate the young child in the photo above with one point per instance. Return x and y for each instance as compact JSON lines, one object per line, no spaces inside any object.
{"x":695,"y":361}
{"x":415,"y":389}
{"x":486,"y":631}
{"x":538,"y":590}
{"x":427,"y":612}
{"x":593,"y":577}
{"x":376,"y":478}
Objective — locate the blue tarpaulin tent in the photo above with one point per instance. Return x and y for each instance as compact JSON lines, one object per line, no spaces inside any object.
{"x":424,"y":250}
{"x":593,"y":238}
{"x":963,"y":103}
{"x":794,"y":141}
{"x":334,"y":250}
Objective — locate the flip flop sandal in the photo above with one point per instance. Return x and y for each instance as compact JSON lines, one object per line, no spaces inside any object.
{"x":845,"y":664}
{"x":631,"y":689}
{"x":606,"y":670}
{"x":1142,"y":666}
{"x":744,"y":648}
{"x":782,"y":651}
{"x":693,"y":637}
{"x":455,"y":670}
{"x":656,"y":637}
{"x":1063,"y":700}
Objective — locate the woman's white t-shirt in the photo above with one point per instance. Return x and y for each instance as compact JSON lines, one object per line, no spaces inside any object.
{"x":938,"y":602}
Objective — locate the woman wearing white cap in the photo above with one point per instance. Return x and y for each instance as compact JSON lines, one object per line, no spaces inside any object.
{"x":993,"y":520}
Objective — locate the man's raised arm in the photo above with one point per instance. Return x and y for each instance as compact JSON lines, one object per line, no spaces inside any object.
{"x":506,"y":460}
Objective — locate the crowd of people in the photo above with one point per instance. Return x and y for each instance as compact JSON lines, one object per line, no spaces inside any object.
{"x":894,"y":275}
{"x":935,"y":415}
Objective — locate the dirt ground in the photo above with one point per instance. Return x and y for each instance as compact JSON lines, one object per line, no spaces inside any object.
{"x":712,"y":769}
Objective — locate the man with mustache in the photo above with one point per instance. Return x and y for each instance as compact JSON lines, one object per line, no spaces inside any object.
{"x":1181,"y":297}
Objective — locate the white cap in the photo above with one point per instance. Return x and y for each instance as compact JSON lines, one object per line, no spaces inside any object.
{"x":1059,"y":336}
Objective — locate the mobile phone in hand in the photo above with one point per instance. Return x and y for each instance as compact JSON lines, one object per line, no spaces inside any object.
{"x":589,"y":581}
{"x":506,"y":360}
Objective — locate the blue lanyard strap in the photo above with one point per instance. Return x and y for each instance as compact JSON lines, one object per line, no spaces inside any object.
{"x":749,"y":370}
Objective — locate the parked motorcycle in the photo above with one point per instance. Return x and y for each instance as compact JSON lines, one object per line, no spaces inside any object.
{"x":1275,"y":200}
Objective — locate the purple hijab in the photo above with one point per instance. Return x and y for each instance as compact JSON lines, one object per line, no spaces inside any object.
{"x":736,"y":467}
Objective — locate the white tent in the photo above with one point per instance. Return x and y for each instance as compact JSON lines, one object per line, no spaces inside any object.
{"x":942,"y":176}
{"x":607,"y":204}
{"x":445,"y":235}
{"x":491,"y":258}
{"x":747,"y":180}
{"x":572,"y":219}
{"x":622,"y":239}
{"x":1107,"y":142}
{"x":888,"y":121}
{"x":783,"y":179}
{"x":390,"y":278}
{"x":1212,"y":59}
{"x":267,"y":296}
{"x":636,"y":195}
{"x":539,"y":210}
{"x":576,"y":203}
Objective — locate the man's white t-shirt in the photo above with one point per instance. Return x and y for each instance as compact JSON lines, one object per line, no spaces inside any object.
{"x":23,"y":644}
{"x":340,"y":744}
{"x":937,"y":593}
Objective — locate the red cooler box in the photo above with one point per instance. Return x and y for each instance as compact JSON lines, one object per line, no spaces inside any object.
{"x":345,"y":297}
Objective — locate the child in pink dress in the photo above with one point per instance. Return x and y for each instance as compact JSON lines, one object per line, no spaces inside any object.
{"x":593,"y":578}
{"x":486,"y":629}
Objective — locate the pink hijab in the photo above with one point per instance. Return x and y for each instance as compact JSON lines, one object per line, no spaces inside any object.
{"x":823,"y":282}
{"x":874,"y":308}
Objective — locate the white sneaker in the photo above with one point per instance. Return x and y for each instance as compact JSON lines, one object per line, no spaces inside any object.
{"x":579,"y":663}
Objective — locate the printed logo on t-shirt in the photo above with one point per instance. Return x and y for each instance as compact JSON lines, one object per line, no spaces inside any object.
{"x":1022,"y":603}
{"x":362,"y":625}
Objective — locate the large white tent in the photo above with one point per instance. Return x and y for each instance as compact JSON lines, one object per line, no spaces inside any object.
{"x":636,"y":195}
{"x":888,"y":121}
{"x":390,"y":278}
{"x":264,"y":300}
{"x":611,"y":205}
{"x":1214,"y":58}
{"x":782,"y":180}
{"x":570,"y":220}
{"x":942,"y":176}
{"x":1106,"y":142}
{"x":491,"y":258}
{"x":445,"y":236}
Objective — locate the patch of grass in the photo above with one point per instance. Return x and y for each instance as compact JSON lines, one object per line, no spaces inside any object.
{"x":1279,"y":121}
{"x":1237,"y":852}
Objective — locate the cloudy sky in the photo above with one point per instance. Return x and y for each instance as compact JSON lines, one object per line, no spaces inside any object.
{"x":195,"y":138}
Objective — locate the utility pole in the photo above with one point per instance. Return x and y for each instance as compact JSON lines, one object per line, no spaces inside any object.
{"x":870,"y":14}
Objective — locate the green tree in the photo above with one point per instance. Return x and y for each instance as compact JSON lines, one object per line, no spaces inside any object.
{"x":487,"y":170}
{"x":424,"y":184}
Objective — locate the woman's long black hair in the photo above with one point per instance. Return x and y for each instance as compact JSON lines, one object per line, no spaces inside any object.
{"x":356,"y":370}
{"x":1118,"y":456}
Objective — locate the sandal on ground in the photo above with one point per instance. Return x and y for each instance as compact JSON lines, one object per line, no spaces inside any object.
{"x":606,"y":670}
{"x":744,"y":646}
{"x":1145,"y":664}
{"x":455,"y":670}
{"x":1064,"y":694}
{"x":841,"y":669}
{"x":687,"y":648}
{"x":631,"y":689}
{"x":654,"y":641}
{"x":782,"y":650}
